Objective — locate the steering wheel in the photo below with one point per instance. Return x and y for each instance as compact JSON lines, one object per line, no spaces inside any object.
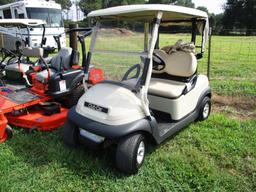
{"x":158,"y":63}
{"x":136,"y":67}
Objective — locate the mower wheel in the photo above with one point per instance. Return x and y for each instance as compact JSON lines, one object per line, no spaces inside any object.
{"x":205,"y":109}
{"x":131,"y":153}
{"x":9,"y":132}
{"x":74,"y":96}
{"x":70,"y":134}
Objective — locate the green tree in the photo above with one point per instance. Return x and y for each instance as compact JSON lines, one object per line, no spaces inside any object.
{"x":216,"y":23}
{"x":90,"y":5}
{"x":112,"y":3}
{"x":202,"y":8}
{"x":240,"y":14}
{"x":65,"y":4}
{"x":3,"y":2}
{"x":186,"y":3}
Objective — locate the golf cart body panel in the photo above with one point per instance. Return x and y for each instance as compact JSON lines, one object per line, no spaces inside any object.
{"x":183,"y":104}
{"x":108,"y":131}
{"x":109,"y":110}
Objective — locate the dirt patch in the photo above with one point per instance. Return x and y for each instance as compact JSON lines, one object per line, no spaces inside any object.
{"x":241,"y":107}
{"x":117,"y":31}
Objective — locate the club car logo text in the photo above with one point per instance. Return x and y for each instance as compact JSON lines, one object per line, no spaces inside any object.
{"x":96,"y":107}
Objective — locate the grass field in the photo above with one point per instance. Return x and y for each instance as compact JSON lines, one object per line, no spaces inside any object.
{"x":216,"y":155}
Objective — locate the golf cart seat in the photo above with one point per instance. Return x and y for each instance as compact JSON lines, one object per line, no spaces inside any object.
{"x":59,"y":62}
{"x":176,"y":77}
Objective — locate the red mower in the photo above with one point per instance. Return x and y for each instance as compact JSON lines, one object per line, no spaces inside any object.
{"x":37,"y":96}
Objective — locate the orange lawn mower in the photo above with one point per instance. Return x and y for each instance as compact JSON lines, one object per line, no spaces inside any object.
{"x":38,"y":97}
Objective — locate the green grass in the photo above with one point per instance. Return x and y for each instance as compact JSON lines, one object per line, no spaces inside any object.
{"x":216,"y":155}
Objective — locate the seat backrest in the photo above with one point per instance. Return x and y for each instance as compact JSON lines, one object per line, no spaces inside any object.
{"x":32,"y":52}
{"x":62,"y":59}
{"x":180,"y":63}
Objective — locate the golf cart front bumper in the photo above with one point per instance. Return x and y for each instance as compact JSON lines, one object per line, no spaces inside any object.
{"x":111,"y":132}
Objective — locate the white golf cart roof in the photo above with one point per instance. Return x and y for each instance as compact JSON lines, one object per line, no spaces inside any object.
{"x":149,"y":11}
{"x":21,"y":22}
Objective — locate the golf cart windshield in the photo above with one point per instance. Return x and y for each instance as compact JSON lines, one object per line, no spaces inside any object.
{"x":119,"y":45}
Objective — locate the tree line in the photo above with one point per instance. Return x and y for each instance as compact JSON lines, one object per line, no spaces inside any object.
{"x":238,"y":14}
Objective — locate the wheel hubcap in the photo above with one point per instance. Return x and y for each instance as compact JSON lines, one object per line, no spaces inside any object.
{"x":141,"y":152}
{"x":206,"y":110}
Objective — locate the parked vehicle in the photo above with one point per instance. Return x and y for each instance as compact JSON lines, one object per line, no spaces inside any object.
{"x":37,"y":95}
{"x":155,"y":99}
{"x":11,"y":44}
{"x":49,"y":11}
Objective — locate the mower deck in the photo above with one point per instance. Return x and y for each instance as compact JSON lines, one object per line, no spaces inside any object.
{"x":36,"y":119}
{"x":15,"y":99}
{"x":21,"y":107}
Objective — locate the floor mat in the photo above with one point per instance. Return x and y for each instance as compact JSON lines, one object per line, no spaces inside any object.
{"x":22,"y":96}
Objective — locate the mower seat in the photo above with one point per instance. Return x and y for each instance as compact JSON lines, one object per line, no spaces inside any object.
{"x":178,"y":65}
{"x":59,"y":62}
{"x":14,"y":71}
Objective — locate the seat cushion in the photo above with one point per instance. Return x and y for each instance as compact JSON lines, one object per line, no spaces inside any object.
{"x":180,"y":64}
{"x":42,"y":76}
{"x":166,"y":88}
{"x":33,"y":52}
{"x":15,"y":67}
{"x":62,"y":59}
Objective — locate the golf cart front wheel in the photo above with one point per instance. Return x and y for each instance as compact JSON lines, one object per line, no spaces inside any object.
{"x":131,"y":153}
{"x":70,"y":134}
{"x":205,"y":109}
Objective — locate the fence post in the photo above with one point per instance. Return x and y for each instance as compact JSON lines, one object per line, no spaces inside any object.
{"x":209,"y":53}
{"x":73,"y":37}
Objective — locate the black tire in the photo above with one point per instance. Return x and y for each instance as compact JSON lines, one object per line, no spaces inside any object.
{"x":205,"y":109}
{"x":75,"y":95}
{"x":127,"y":153}
{"x":70,"y":134}
{"x":9,"y":132}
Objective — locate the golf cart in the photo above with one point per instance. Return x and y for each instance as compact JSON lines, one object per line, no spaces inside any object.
{"x":37,"y":96}
{"x":12,"y":40}
{"x":155,"y":98}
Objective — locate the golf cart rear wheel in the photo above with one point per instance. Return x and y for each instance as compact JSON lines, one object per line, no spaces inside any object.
{"x":74,"y":96}
{"x":9,"y":132}
{"x":205,"y":109}
{"x":70,"y":134}
{"x":131,"y":153}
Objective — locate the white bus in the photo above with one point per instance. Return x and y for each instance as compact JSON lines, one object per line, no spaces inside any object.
{"x":46,"y":10}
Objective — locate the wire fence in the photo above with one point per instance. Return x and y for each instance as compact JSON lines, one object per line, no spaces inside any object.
{"x":233,"y":56}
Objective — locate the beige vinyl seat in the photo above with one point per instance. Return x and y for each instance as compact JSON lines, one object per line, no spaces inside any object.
{"x":179,"y":64}
{"x":61,"y":60}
